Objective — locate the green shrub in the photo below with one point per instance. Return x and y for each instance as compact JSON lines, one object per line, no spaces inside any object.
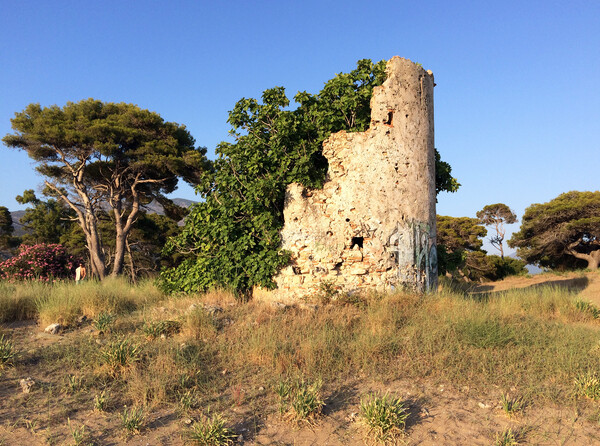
{"x":74,"y":383}
{"x":104,"y":322}
{"x":79,"y":434}
{"x":44,"y":262}
{"x":7,"y":352}
{"x":211,"y":432}
{"x":300,"y":400}
{"x":187,"y":400}
{"x":101,"y":401}
{"x":512,"y":405}
{"x":509,"y":437}
{"x":385,"y":417}
{"x":588,"y":385}
{"x":121,"y":354}
{"x":132,"y":419}
{"x":504,"y":267}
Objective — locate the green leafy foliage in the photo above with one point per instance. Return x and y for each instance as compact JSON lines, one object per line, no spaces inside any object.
{"x":6,"y":223}
{"x":460,"y":233}
{"x":7,"y":241}
{"x":232,"y":239}
{"x":478,"y":265}
{"x":444,"y":181}
{"x":45,"y":221}
{"x":504,"y":267}
{"x":459,"y":243}
{"x":563,"y":233}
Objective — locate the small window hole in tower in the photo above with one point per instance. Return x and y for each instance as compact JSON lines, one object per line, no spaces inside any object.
{"x":357,"y":241}
{"x":390,"y":117}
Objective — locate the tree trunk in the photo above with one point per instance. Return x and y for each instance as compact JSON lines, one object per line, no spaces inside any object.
{"x":120,"y":242}
{"x":593,"y":259}
{"x":96,"y":257}
{"x":88,"y":222}
{"x":122,"y":229}
{"x":94,"y":246}
{"x":131,"y":266}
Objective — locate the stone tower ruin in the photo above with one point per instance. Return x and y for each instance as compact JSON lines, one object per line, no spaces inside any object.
{"x":372,"y":226}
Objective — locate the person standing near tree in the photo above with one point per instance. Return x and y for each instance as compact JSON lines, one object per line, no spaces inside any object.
{"x":80,"y":273}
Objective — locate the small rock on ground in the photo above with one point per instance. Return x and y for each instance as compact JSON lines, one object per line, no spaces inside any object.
{"x":53,"y":328}
{"x":26,"y":384}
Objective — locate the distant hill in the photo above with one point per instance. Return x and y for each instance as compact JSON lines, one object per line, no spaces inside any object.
{"x":16,"y":219}
{"x":155,"y":207}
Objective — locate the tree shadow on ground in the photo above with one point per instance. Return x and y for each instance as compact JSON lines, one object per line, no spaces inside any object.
{"x":416,"y":410}
{"x":248,"y":429}
{"x":574,"y":284}
{"x":341,"y":399}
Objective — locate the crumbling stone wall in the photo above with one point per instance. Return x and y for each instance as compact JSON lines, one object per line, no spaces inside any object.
{"x":372,"y":226}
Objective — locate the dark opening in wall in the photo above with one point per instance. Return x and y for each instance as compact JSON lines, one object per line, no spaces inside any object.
{"x":389,"y":119}
{"x":357,"y":241}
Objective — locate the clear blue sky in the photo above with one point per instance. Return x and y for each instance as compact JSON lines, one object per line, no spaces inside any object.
{"x":517,"y":102}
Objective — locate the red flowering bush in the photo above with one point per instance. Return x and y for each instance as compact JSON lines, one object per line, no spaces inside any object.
{"x":43,"y":262}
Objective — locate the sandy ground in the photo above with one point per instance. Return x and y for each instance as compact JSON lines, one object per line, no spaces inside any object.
{"x":440,"y":413}
{"x":439,"y":416}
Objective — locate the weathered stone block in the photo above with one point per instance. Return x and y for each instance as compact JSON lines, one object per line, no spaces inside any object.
{"x":373,"y":223}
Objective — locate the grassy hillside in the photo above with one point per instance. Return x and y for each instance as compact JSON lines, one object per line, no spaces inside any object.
{"x":131,"y":363}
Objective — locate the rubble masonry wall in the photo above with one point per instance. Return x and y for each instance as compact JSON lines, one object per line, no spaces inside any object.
{"x":372,"y":226}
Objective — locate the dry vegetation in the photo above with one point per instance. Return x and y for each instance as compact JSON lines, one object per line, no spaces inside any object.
{"x":450,"y":368}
